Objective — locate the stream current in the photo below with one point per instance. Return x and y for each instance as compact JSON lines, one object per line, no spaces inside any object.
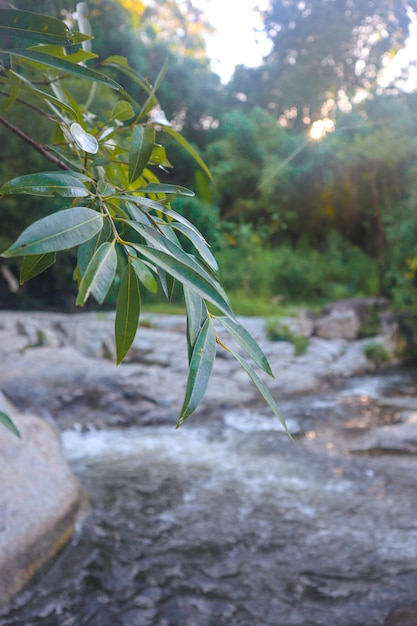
{"x":228,"y":523}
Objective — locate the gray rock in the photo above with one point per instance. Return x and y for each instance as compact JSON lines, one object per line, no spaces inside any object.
{"x":41,"y":501}
{"x":402,"y":616}
{"x":338,"y":324}
{"x":399,"y":438}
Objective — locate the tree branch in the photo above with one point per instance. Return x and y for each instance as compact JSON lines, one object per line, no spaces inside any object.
{"x":43,"y":150}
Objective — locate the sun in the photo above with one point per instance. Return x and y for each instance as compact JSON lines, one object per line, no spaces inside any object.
{"x":320,"y":128}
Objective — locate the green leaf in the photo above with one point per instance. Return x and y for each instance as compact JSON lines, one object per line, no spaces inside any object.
{"x":54,"y":103}
{"x":151,"y":100}
{"x":7,"y":422}
{"x":105,"y":189}
{"x":122,"y":111}
{"x":67,"y":157}
{"x":201,"y":364}
{"x":196,"y":316}
{"x":188,"y":147}
{"x":139,"y":216}
{"x":59,"y":231}
{"x":86,"y":250}
{"x":47,"y":60}
{"x":199,"y":243}
{"x":67,"y":185}
{"x":166,"y":241}
{"x":127,"y":313}
{"x":99,"y":274}
{"x":143,"y":140}
{"x":159,"y":156}
{"x":163,"y":188}
{"x":247,"y":343}
{"x":144,"y":275}
{"x":34,"y":27}
{"x":14,"y":93}
{"x":122,"y":65}
{"x":262,"y":388}
{"x":166,"y":210}
{"x":80,"y":56}
{"x":35,"y":264}
{"x":186,"y":274}
{"x":141,"y":201}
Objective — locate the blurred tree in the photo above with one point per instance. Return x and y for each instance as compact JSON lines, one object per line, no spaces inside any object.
{"x":323,"y":53}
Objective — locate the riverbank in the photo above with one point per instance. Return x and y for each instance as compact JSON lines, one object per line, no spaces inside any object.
{"x":228,"y":522}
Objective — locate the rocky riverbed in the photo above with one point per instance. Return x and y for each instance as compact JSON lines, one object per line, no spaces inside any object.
{"x":224,"y":521}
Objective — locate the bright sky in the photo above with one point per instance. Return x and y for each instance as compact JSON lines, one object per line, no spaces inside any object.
{"x":235,"y":41}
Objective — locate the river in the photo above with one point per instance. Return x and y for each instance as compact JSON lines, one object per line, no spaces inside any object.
{"x":229,"y":523}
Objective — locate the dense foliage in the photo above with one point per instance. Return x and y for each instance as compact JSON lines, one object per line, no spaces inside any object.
{"x":111,"y":208}
{"x":280,"y":199}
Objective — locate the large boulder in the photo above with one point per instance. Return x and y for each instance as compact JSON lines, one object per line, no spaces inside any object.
{"x":338,"y":325}
{"x":351,"y":318}
{"x":41,"y":501}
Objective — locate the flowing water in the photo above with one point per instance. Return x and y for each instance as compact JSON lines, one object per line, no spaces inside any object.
{"x":230,"y":523}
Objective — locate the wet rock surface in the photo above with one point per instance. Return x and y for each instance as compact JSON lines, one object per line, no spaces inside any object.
{"x":226,"y":522}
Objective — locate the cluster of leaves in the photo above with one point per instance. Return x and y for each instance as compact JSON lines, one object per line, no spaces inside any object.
{"x":115,"y":212}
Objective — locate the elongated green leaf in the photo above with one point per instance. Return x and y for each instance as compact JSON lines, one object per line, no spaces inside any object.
{"x":166,"y":210}
{"x":55,"y":104}
{"x":67,"y":157}
{"x":163,"y":188}
{"x":80,"y":56}
{"x":144,"y":275}
{"x":186,"y":274}
{"x":188,"y":147}
{"x":143,"y":140}
{"x":87,"y":250}
{"x":66,"y":185}
{"x":141,"y":201}
{"x":127,"y":313}
{"x":122,"y":65}
{"x":7,"y":422}
{"x":14,"y":93}
{"x":167,"y":241}
{"x":247,"y":343}
{"x":163,"y":279}
{"x":59,"y":231}
{"x":262,"y":388}
{"x":47,"y":60}
{"x":196,"y":316}
{"x":99,"y":274}
{"x":201,"y":364}
{"x":34,"y":27}
{"x":150,"y":101}
{"x":200,"y":245}
{"x":35,"y":264}
{"x":139,"y":216}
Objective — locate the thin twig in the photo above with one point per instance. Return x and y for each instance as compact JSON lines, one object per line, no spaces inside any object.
{"x":31,"y":106}
{"x":43,"y":150}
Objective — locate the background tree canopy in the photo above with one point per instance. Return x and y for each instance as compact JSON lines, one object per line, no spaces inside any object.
{"x":288,"y":216}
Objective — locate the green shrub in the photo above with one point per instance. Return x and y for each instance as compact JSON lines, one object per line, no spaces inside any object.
{"x":300,"y":274}
{"x":375,"y":352}
{"x":276,"y":331}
